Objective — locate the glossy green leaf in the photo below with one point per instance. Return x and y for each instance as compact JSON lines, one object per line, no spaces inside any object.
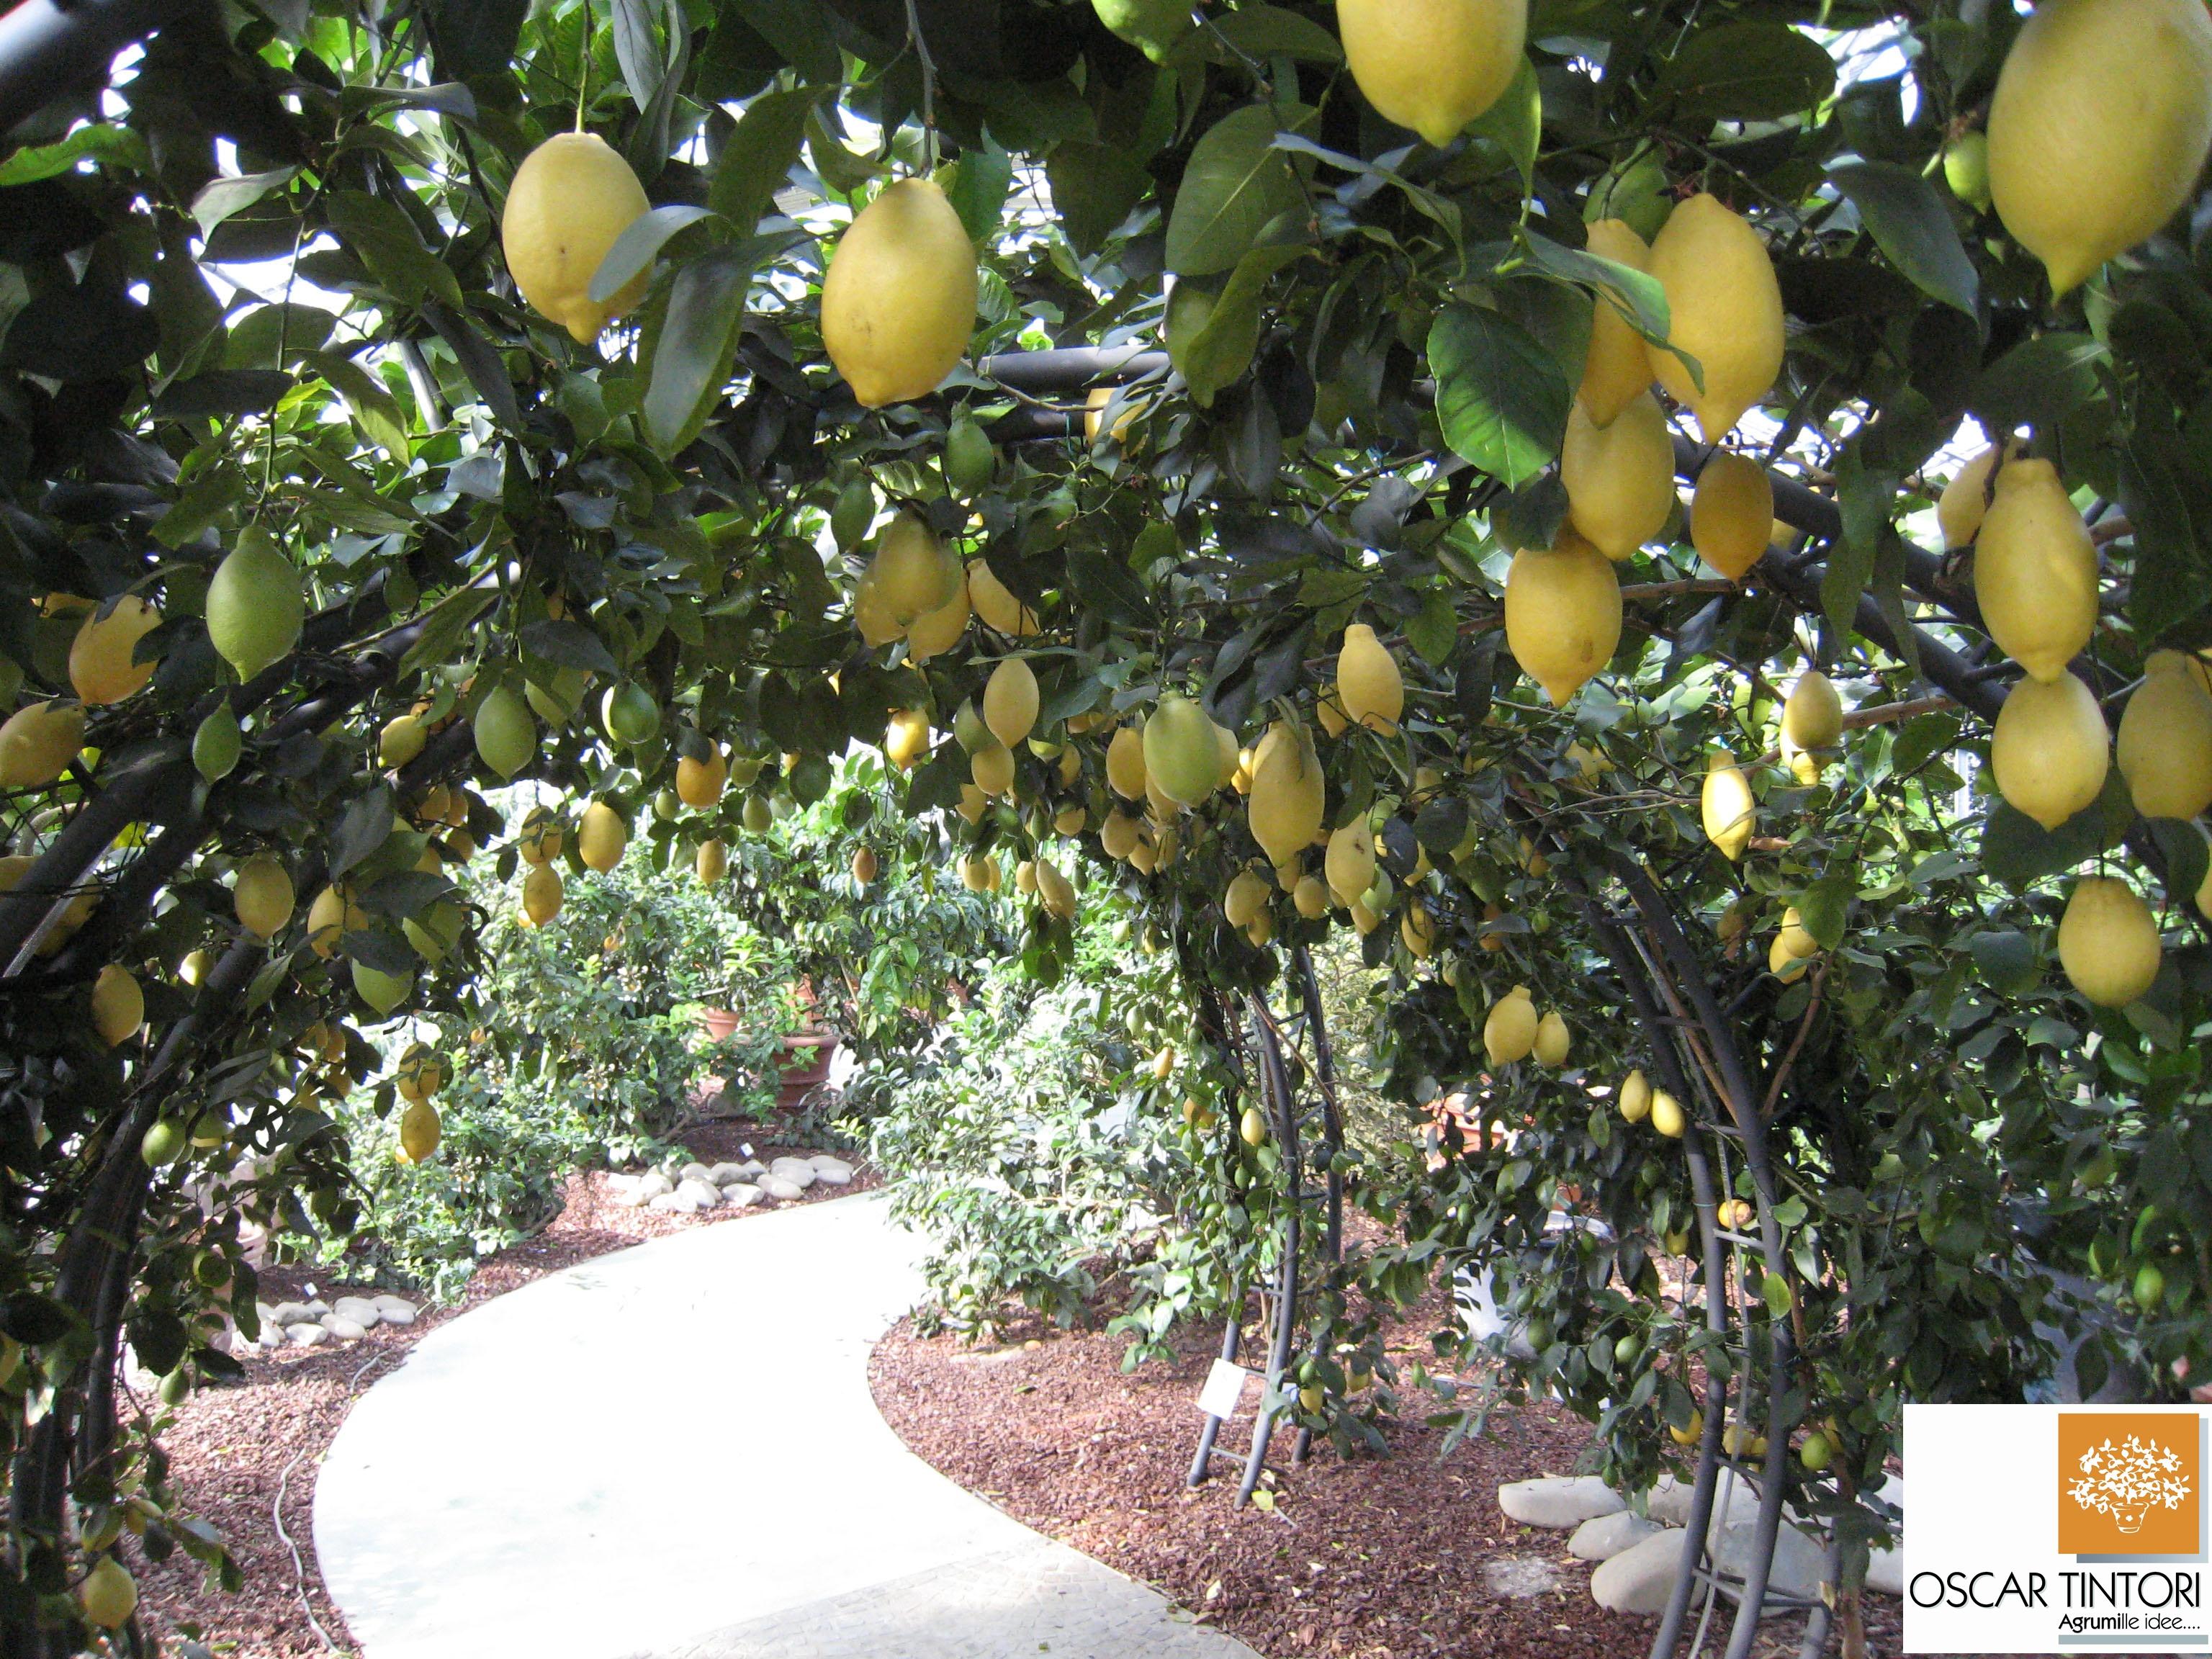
{"x":1501,"y":399}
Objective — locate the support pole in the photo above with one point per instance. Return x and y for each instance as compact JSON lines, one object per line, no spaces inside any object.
{"x":1275,"y":1089}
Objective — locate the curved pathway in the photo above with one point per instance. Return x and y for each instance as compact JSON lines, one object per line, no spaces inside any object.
{"x":672,"y":1453}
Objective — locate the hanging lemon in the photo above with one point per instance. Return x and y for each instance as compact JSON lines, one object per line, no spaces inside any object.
{"x":1620,"y":478}
{"x":1618,"y":367}
{"x":100,"y":665}
{"x":2035,"y":570}
{"x":1369,"y":687}
{"x":898,"y":303}
{"x":1562,"y":614}
{"x":2100,"y":127}
{"x":1732,"y":514}
{"x":1726,"y":805}
{"x":2050,"y":749}
{"x":572,"y":197}
{"x":1433,"y":65}
{"x":2108,"y":942}
{"x":2165,"y":739}
{"x":1725,"y":307}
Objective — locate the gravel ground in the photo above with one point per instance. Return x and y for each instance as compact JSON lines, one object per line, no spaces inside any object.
{"x":234,"y":1448}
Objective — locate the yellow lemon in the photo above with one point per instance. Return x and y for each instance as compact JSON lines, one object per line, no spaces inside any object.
{"x":1732,"y":514}
{"x":937,"y":631}
{"x":2100,"y":127}
{"x":1125,"y":763}
{"x":1056,"y":891}
{"x":330,"y":917}
{"x":1418,"y":929}
{"x":712,"y":862}
{"x":1562,"y":614}
{"x":1620,"y":478}
{"x":872,"y":612}
{"x":1010,"y":700}
{"x":2165,"y":739}
{"x":1636,"y":1097}
{"x":602,"y":836}
{"x":2051,"y":750}
{"x":101,"y":668}
{"x":1119,"y":835}
{"x":1509,"y":1033}
{"x":913,"y":572}
{"x":906,"y":739}
{"x":2035,"y":571}
{"x":572,"y":197}
{"x":700,"y":783}
{"x":109,"y":1595}
{"x":541,"y":893}
{"x":1726,"y":805}
{"x":1667,"y":1117}
{"x":2108,"y":942}
{"x":118,"y":1006}
{"x":1433,"y":65}
{"x":1310,"y":897}
{"x":992,"y":769}
{"x":541,"y":838}
{"x":1369,"y":687}
{"x":1795,"y":937}
{"x":865,"y":866}
{"x":898,"y":303}
{"x":1812,"y":714}
{"x":1552,"y":1041}
{"x":37,"y":743}
{"x":1725,"y":310}
{"x":1350,"y":862}
{"x":996,"y":605}
{"x":1959,"y":509}
{"x":1618,"y":367}
{"x":262,"y":895}
{"x":1288,"y":792}
{"x":400,"y":740}
{"x":420,"y":1072}
{"x":1783,"y":964}
{"x":419,"y":1132}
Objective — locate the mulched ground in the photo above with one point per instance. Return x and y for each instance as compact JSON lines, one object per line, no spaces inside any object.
{"x":1401,"y":1557}
{"x":233,"y":1449}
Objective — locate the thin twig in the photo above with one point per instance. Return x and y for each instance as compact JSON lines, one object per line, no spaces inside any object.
{"x":299,"y":1566}
{"x":1796,"y":1042}
{"x":914,"y":39}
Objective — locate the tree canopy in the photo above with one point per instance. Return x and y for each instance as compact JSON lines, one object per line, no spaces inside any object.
{"x":1253,"y":368}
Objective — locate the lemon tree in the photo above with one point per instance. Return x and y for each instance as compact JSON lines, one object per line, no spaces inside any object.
{"x":1391,"y":395}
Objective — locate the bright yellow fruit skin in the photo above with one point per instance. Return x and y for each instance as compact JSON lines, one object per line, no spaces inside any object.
{"x":571,"y":197}
{"x":2108,"y":942}
{"x":699,"y":783}
{"x":1725,"y":310}
{"x":1732,"y":514}
{"x":602,"y":836}
{"x":118,"y":1006}
{"x":263,"y":897}
{"x":906,"y":739}
{"x":1726,"y":806}
{"x":911,"y":574}
{"x":2165,"y":739}
{"x":992,"y":769}
{"x":1562,"y":614}
{"x":1288,"y":792}
{"x":37,"y":743}
{"x":1369,"y":687}
{"x":419,"y":1132}
{"x":1125,"y":762}
{"x":100,"y":666}
{"x":712,"y":862}
{"x":1620,"y":478}
{"x":1636,"y":1097}
{"x":1964,"y":500}
{"x":1433,"y":65}
{"x":1667,"y":1117}
{"x":1350,"y":862}
{"x":1812,"y":714}
{"x":1550,"y":1047}
{"x":2100,"y":127}
{"x":1618,"y":365}
{"x":1509,"y":1032}
{"x":542,"y":894}
{"x":898,"y":303}
{"x":937,"y":631}
{"x":996,"y":605}
{"x":2035,"y":571}
{"x":1010,"y":700}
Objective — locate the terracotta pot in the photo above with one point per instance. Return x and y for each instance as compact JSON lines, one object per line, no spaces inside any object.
{"x":718,"y":1024}
{"x":807,"y":1057}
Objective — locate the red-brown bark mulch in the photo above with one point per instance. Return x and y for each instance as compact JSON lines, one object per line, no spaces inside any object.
{"x":231,"y":1448}
{"x":1371,"y":1558}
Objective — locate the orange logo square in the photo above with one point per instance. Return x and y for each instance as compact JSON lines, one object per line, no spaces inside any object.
{"x":2129,"y":1483}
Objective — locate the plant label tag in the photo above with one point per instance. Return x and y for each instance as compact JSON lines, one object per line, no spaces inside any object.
{"x":1224,"y":1386}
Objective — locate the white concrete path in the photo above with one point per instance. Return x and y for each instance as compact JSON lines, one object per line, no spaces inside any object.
{"x":672,"y":1453}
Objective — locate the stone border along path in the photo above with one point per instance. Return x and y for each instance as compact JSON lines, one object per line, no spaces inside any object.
{"x":672,"y":1453}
